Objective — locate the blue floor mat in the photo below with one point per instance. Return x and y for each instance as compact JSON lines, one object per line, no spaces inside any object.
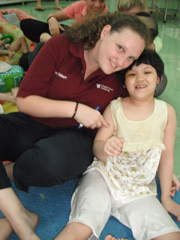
{"x":53,"y":207}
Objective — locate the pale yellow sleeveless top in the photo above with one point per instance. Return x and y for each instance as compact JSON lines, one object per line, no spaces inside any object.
{"x":133,"y":173}
{"x":140,"y":135}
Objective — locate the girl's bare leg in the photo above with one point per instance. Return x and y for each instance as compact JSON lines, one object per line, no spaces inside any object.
{"x":20,"y":43}
{"x":74,"y":231}
{"x":5,"y":229}
{"x":38,"y":5}
{"x":21,"y":220}
{"x":174,"y":236}
{"x":57,"y":6}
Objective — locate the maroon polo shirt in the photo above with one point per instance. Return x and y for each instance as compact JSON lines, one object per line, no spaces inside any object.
{"x":57,"y":72}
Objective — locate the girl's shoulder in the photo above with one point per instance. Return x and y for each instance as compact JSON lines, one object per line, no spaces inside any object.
{"x":171,"y":110}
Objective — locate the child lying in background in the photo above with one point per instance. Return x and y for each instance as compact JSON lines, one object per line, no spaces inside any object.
{"x":10,"y":50}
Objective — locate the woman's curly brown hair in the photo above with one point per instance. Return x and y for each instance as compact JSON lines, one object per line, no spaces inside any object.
{"x":88,"y":32}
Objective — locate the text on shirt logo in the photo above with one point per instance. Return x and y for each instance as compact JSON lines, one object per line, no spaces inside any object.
{"x":60,"y":75}
{"x":105,"y":88}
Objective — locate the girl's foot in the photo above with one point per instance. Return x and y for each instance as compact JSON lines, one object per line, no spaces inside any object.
{"x":5,"y":229}
{"x":58,"y":7}
{"x":109,"y":237}
{"x":39,"y":7}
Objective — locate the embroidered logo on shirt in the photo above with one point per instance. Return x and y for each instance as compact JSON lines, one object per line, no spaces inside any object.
{"x":60,"y":75}
{"x":105,"y":88}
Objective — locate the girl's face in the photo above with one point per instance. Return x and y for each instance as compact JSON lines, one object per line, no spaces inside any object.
{"x":118,"y":50}
{"x":141,"y":81}
{"x":95,"y":6}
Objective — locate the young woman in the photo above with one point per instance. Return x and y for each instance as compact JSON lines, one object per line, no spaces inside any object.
{"x":68,"y":79}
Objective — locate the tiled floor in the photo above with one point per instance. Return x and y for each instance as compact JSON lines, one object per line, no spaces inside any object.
{"x":170,"y":53}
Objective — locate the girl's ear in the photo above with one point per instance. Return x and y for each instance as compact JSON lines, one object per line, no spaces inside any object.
{"x":105,"y":31}
{"x":159,"y":80}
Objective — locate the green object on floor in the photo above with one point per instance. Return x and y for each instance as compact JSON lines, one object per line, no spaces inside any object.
{"x":11,"y":78}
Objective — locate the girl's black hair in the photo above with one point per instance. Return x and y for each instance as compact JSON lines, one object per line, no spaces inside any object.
{"x":148,"y":57}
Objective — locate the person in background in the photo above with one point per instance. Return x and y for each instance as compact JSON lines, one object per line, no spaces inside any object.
{"x":137,"y":144}
{"x":79,"y":11}
{"x":134,"y":7}
{"x":40,"y":8}
{"x":11,"y":49}
{"x":131,"y":6}
{"x":41,"y":32}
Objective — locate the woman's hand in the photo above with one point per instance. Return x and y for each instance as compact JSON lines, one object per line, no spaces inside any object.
{"x":54,"y":26}
{"x":113,"y":146}
{"x":89,"y":117}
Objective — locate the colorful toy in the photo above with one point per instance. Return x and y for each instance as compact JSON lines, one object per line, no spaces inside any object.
{"x":9,"y":37}
{"x":11,"y":79}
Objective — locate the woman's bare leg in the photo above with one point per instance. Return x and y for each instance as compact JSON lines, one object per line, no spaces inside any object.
{"x":5,"y":229}
{"x":21,"y":220}
{"x":45,"y":37}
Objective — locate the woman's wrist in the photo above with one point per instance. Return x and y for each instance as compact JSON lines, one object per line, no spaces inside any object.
{"x":75,"y":110}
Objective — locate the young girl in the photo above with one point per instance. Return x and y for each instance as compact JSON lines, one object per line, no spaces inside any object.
{"x":138,"y":142}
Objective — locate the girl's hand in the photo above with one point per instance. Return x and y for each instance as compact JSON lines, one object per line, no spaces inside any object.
{"x":175,"y":185}
{"x":54,"y":26}
{"x":171,"y":206}
{"x":2,"y":42}
{"x":113,"y":146}
{"x":89,"y":117}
